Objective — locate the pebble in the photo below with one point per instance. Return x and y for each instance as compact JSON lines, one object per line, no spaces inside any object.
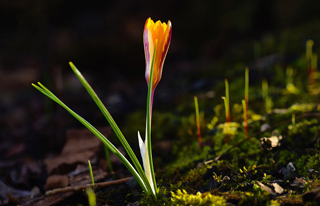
{"x":264,"y":127}
{"x":290,"y":172}
{"x":311,"y":171}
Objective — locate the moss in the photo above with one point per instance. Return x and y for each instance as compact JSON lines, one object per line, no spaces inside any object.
{"x":183,"y":198}
{"x":256,"y":197}
{"x":313,"y":162}
{"x":192,"y":181}
{"x":284,"y":156}
{"x":301,"y":164}
{"x":304,"y":132}
{"x":274,"y":203}
{"x":187,"y":156}
{"x":302,"y":107}
{"x":162,"y":198}
{"x":229,"y":128}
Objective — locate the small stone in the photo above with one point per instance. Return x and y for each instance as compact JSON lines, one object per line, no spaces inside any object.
{"x":291,"y":172}
{"x":264,"y":127}
{"x":311,"y":171}
{"x":299,"y":182}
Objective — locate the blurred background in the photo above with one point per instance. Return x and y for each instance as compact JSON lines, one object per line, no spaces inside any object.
{"x":211,"y":40}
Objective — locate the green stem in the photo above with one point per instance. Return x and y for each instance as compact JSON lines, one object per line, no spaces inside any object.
{"x":106,"y":150}
{"x":245,"y":120}
{"x":196,"y":105}
{"x":246,"y":87}
{"x":149,"y":116}
{"x":227,"y":99}
{"x":226,"y":111}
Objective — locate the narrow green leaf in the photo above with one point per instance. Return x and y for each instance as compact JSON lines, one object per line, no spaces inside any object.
{"x":144,"y":184}
{"x":91,"y":173}
{"x":112,"y":123}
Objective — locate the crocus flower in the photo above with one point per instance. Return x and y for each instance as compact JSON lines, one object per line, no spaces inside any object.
{"x":156,"y":39}
{"x":152,"y":32}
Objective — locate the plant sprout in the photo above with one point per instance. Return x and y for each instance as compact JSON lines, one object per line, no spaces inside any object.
{"x":227,"y":108}
{"x":245,"y":118}
{"x":309,"y":54}
{"x":91,"y":173}
{"x":197,"y":118}
{"x":157,"y":37}
{"x":108,"y":159}
{"x":246,"y":86}
{"x":91,"y":196}
{"x":227,"y":100}
{"x":246,"y":99}
{"x":265,"y":95}
{"x":289,"y":79}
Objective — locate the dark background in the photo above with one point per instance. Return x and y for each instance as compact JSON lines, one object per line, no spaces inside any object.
{"x":104,"y":40}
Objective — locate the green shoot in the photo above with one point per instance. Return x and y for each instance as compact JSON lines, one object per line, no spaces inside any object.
{"x":91,"y":173}
{"x":309,"y":46}
{"x":227,"y":106}
{"x":227,"y":99}
{"x":289,"y":80}
{"x":107,"y":152}
{"x":197,"y":118}
{"x":245,"y":120}
{"x":246,"y":87}
{"x":265,"y":95}
{"x":226,"y":112}
{"x":245,"y":103}
{"x":91,"y":196}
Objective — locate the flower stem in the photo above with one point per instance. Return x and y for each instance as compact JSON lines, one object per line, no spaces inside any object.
{"x":149,"y":117}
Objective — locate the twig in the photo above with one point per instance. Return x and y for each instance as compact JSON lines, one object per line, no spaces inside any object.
{"x":82,"y":187}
